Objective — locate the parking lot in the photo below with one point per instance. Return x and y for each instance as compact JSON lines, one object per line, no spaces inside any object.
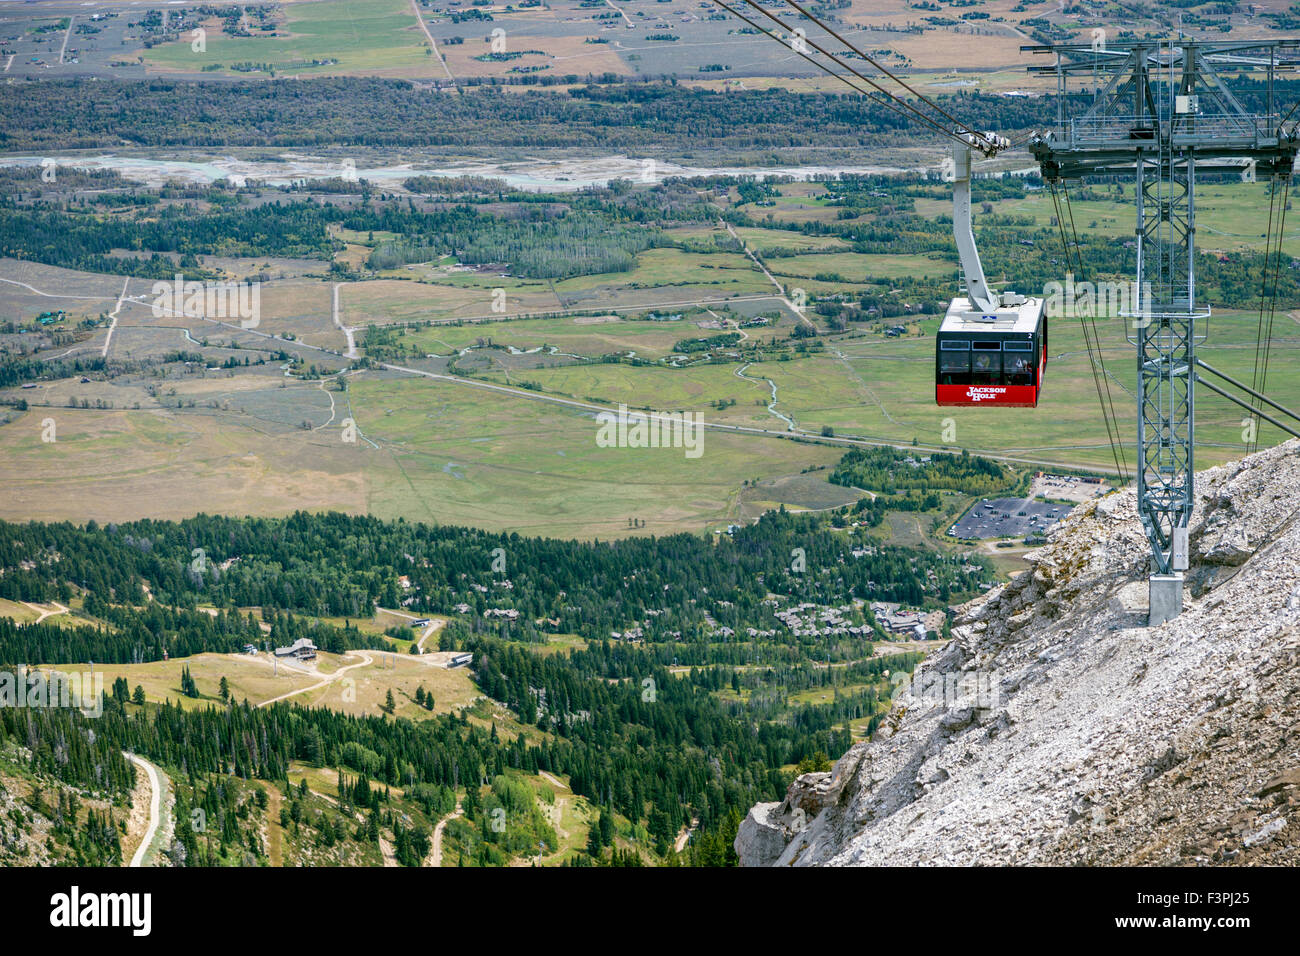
{"x":1008,"y":518}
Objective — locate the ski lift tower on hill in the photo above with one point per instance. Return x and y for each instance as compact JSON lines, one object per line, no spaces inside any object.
{"x":1162,"y":111}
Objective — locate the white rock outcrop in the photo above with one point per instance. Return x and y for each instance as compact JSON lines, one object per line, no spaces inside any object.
{"x":1056,"y":728}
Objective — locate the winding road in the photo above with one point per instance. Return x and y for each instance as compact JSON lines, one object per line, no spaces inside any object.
{"x":429,"y":632}
{"x":435,"y":851}
{"x":43,"y":612}
{"x":155,"y":807}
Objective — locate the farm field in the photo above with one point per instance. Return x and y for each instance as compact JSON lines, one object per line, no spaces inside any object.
{"x":442,"y":456}
{"x":1230,"y":217}
{"x":880,"y":388}
{"x":126,"y":463}
{"x":582,"y":335}
{"x":171,"y":439}
{"x":1066,"y":424}
{"x":860,"y":268}
{"x":695,"y":388}
{"x":566,"y":40}
{"x":323,"y":37}
{"x":533,"y":467}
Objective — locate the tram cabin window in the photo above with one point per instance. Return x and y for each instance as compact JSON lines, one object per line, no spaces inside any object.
{"x":986,"y":362}
{"x":1018,"y":363}
{"x":954,"y":363}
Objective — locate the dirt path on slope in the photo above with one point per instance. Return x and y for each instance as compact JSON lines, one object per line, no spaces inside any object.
{"x":366,"y":659}
{"x":153,"y":779}
{"x":435,"y":851}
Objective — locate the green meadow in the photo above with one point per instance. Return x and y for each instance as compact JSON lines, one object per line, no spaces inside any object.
{"x":341,"y":36}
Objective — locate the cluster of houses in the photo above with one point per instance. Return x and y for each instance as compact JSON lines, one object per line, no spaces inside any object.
{"x":805,"y":619}
{"x":509,"y":613}
{"x":809,"y":620}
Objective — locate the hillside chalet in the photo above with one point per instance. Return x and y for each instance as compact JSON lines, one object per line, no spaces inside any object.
{"x":302,"y":649}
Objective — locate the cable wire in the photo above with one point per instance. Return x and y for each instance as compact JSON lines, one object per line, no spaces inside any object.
{"x":1264,"y":329}
{"x":1094,"y":351}
{"x":907,"y":109}
{"x":909,"y":116}
{"x":920,"y":96}
{"x":1096,"y":336}
{"x":898,"y":105}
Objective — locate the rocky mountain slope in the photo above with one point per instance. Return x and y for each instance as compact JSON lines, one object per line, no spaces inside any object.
{"x":1057,"y":729}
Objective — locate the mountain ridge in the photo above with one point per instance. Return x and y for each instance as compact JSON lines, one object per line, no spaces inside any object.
{"x":1056,"y":728}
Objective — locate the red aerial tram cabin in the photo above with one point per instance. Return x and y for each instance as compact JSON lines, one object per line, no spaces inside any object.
{"x":991,"y":358}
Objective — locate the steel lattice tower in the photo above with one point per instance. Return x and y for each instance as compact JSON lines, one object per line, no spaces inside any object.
{"x":1159,"y":112}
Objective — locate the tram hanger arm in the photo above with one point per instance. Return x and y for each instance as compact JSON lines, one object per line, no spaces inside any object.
{"x":977,"y":288}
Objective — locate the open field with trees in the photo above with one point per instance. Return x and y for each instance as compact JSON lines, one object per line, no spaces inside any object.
{"x":185,"y":414}
{"x":362,"y":768}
